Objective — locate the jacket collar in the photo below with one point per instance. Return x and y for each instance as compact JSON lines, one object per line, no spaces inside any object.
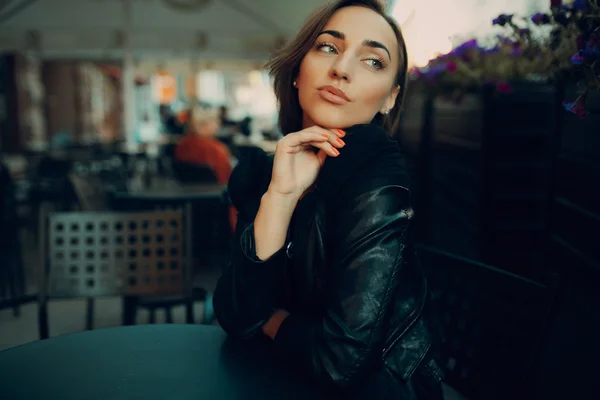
{"x":366,"y":144}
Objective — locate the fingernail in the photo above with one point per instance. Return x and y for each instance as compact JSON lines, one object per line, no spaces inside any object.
{"x":326,"y":136}
{"x":336,"y":151}
{"x":341,"y":132}
{"x":340,"y":141}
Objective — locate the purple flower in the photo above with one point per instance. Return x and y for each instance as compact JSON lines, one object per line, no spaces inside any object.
{"x":580,"y":5}
{"x":516,"y":51}
{"x":503,"y":87}
{"x":505,"y":40}
{"x":463,"y":50}
{"x":451,"y":66}
{"x":493,"y":50}
{"x":555,"y":3}
{"x":540,"y":19}
{"x":576,"y":59}
{"x":577,"y":107}
{"x":469,"y":44}
{"x":590,"y":54}
{"x":502,"y":19}
{"x":431,"y":72}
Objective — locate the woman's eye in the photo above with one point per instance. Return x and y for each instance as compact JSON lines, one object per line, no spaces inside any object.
{"x":374,"y":63}
{"x":327,"y":48}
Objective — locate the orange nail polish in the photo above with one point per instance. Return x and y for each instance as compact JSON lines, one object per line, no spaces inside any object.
{"x":336,"y":151}
{"x":341,"y":132}
{"x":326,"y":136}
{"x":340,"y":141}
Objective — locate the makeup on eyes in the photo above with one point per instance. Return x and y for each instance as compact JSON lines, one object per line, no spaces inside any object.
{"x":382,"y":63}
{"x":367,"y":42}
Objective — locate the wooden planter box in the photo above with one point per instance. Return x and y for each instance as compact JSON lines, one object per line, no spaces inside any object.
{"x":486,"y":176}
{"x":574,"y":252}
{"x":575,"y":240}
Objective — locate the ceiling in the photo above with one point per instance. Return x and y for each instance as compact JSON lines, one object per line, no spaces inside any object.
{"x":93,"y":29}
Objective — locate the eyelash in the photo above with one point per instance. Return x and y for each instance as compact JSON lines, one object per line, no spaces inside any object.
{"x":380,"y":62}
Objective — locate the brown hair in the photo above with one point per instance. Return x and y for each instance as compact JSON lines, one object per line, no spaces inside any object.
{"x":285,"y":64}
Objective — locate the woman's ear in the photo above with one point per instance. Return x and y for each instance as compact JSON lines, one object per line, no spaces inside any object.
{"x":390,"y":101}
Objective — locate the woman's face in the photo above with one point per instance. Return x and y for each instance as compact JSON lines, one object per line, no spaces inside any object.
{"x":349,"y":74}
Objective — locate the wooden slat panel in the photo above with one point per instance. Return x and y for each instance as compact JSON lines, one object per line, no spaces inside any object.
{"x":578,"y":181}
{"x":578,"y":228}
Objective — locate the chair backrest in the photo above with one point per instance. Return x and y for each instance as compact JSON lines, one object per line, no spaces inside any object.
{"x":90,"y":192}
{"x":493,"y":324}
{"x":93,"y":254}
{"x":193,"y":173}
{"x":210,"y":224}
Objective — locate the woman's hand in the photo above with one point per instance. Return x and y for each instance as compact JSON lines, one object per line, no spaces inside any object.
{"x":299,"y":157}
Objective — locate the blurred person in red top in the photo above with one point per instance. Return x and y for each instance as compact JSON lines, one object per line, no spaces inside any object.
{"x":200,"y":147}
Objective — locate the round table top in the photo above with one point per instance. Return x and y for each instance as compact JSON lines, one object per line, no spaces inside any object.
{"x":148,"y":362}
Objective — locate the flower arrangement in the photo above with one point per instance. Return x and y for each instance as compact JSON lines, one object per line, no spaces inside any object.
{"x":565,"y":40}
{"x":577,"y":27}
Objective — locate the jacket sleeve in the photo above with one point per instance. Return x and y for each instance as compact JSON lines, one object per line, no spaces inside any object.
{"x":248,"y":288}
{"x":368,"y":241}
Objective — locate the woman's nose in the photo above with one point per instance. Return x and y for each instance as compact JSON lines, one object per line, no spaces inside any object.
{"x":340,"y":70}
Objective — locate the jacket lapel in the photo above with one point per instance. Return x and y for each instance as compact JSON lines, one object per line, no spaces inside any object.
{"x":365,"y":145}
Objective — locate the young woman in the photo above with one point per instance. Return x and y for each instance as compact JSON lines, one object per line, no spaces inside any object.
{"x":323,"y":261}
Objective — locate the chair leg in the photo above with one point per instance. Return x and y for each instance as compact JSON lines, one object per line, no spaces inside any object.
{"x":152,"y":317}
{"x":129,"y":310}
{"x":19,"y":279}
{"x":21,"y":272}
{"x":209,"y":312}
{"x":89,"y":316}
{"x":13,"y":285}
{"x":189,"y":312}
{"x":168,"y":315}
{"x":43,"y":319}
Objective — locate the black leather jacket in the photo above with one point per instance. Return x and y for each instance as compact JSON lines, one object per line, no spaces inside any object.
{"x":348,"y":273}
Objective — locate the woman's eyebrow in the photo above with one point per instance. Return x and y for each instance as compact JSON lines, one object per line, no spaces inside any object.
{"x":368,"y":43}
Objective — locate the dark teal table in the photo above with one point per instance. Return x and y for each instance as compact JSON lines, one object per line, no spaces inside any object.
{"x":148,"y":362}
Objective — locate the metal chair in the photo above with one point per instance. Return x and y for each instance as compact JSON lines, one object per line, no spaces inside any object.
{"x":93,"y":254}
{"x":90,"y":192}
{"x":210,"y":244}
{"x":494,"y":323}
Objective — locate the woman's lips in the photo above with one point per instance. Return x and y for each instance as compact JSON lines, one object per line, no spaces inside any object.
{"x":332,"y":98}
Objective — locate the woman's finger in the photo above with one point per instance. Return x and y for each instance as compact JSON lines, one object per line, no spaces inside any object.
{"x":303,"y":137}
{"x":321,"y":146}
{"x":334,"y":135}
{"x":322,"y":155}
{"x":327,"y":148}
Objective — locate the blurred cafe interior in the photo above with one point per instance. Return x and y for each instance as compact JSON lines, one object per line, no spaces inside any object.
{"x":122,"y":119}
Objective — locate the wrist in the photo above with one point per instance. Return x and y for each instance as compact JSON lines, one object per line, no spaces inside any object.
{"x":274,"y":323}
{"x":284,"y":200}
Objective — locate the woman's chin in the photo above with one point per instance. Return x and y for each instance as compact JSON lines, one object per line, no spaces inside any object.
{"x":335,"y":121}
